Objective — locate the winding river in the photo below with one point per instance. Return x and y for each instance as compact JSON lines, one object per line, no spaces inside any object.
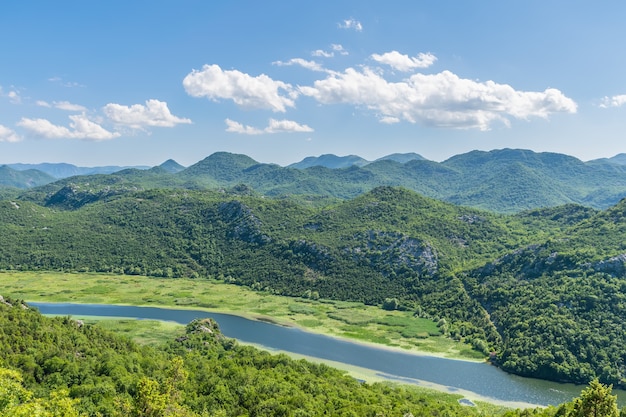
{"x":475,"y":380}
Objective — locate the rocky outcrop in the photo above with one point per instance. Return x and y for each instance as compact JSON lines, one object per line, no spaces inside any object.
{"x":395,"y":251}
{"x":615,"y":266}
{"x":245,"y":225}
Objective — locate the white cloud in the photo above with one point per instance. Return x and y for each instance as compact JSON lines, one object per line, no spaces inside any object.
{"x":66,"y":105}
{"x":14,"y":97}
{"x":441,"y":100}
{"x":81,"y":128}
{"x":339,"y":48}
{"x":260,"y":92}
{"x":62,"y":105}
{"x":274,"y":126}
{"x":8,"y":135}
{"x":615,"y":101}
{"x":68,"y":84}
{"x":236,"y":127}
{"x":351,"y":24}
{"x":389,"y":120}
{"x":138,"y":116}
{"x":323,"y":54}
{"x":284,"y":126}
{"x":401,"y":62}
{"x":310,"y":65}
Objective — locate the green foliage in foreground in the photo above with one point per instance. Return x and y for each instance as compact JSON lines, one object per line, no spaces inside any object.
{"x":59,"y":367}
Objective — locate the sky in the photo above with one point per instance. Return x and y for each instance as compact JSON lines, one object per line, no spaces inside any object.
{"x":109,"y":82}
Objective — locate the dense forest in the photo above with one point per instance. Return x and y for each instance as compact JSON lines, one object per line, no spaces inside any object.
{"x":541,"y":292}
{"x":58,"y":367}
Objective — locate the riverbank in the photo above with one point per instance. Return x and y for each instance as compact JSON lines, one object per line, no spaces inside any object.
{"x":403,"y":360}
{"x":346,"y":320}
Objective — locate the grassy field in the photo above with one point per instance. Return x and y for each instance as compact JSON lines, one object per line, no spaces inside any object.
{"x":336,"y":318}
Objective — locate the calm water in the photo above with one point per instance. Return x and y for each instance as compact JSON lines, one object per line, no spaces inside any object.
{"x":479,"y":378}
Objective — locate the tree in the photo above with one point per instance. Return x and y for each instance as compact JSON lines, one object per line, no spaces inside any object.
{"x":391,"y":304}
{"x":595,"y":401}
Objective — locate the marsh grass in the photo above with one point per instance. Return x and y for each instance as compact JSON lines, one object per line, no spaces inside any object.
{"x":335,"y":318}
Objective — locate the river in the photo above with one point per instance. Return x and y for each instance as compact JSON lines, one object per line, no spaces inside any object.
{"x":475,"y":380}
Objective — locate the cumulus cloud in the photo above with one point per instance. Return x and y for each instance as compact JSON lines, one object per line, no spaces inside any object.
{"x":8,"y":135}
{"x":401,"y":62}
{"x":274,"y":126}
{"x":351,"y":24}
{"x":286,"y":126}
{"x":260,"y":92}
{"x":615,"y":101}
{"x":42,"y":103}
{"x":440,"y":100}
{"x":138,"y":116}
{"x":80,"y":128}
{"x":310,"y":65}
{"x":236,"y":127}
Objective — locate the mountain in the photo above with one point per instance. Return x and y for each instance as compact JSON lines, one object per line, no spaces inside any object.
{"x":336,"y":162}
{"x":62,"y":170}
{"x":172,"y":166}
{"x":330,"y":161}
{"x":505,"y":180}
{"x":218,"y":167}
{"x":28,"y":178}
{"x":402,"y":158}
{"x":619,"y":159}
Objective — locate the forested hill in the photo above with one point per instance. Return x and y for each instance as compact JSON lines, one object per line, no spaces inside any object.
{"x":506,"y":181}
{"x":543,"y":291}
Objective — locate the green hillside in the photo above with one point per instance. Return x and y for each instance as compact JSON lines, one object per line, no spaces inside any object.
{"x":505,"y":181}
{"x":532,"y":288}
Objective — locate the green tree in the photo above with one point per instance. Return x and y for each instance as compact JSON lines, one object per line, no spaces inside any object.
{"x":595,"y":401}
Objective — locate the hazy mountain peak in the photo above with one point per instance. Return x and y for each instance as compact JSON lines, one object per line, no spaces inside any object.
{"x":330,"y":161}
{"x":172,"y":166}
{"x":402,"y":157}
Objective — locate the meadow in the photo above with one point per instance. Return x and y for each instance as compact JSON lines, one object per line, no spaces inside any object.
{"x":356,"y":321}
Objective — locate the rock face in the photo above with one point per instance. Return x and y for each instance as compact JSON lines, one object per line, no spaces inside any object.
{"x":394,"y":251}
{"x":615,"y":266}
{"x":244,"y":224}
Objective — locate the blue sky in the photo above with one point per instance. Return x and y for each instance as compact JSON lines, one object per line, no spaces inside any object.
{"x":138,"y":82}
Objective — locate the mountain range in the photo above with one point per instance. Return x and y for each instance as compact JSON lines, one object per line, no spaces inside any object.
{"x":506,"y":180}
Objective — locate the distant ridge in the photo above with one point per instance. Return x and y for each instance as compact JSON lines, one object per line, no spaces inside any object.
{"x":619,"y":159}
{"x":504,"y":180}
{"x":337,"y":162}
{"x":330,"y":161}
{"x":63,"y":170}
{"x":28,"y":178}
{"x":402,"y":158}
